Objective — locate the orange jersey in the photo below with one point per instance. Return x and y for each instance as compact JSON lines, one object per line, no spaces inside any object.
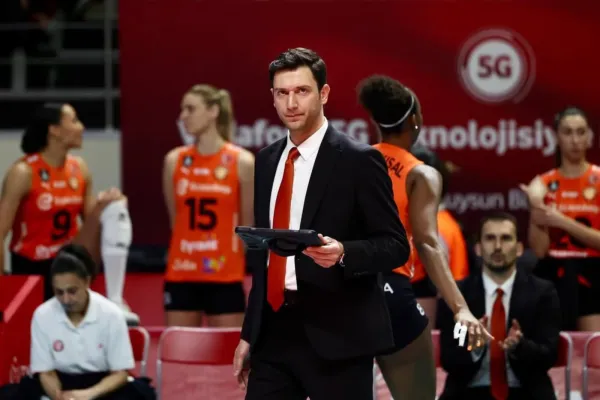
{"x":204,"y":247}
{"x":47,"y":216}
{"x":454,"y":244}
{"x":399,"y":163}
{"x":577,"y":198}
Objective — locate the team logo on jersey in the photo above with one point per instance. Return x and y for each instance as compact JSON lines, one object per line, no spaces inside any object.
{"x":187,"y":161}
{"x":589,"y":193}
{"x":221,"y":172}
{"x":58,"y":346}
{"x":73,"y":183}
{"x":553,"y":186}
{"x":44,"y":175}
{"x":44,"y":201}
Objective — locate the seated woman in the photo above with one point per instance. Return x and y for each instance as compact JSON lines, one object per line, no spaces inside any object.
{"x":80,"y":346}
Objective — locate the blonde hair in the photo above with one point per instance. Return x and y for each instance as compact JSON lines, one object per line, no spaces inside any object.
{"x":222,"y":99}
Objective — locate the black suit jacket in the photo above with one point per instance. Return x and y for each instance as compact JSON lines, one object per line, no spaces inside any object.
{"x":534,"y":304}
{"x":350,"y":199}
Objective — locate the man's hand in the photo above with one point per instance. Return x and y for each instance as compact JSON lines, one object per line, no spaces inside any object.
{"x":326,"y":255}
{"x":241,"y":369}
{"x":514,"y":336}
{"x":478,"y":335}
{"x":77,"y":395}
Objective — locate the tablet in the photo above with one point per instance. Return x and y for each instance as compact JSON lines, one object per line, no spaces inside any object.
{"x":285,"y":242}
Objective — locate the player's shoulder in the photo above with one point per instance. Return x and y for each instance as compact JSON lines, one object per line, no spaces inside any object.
{"x":595,"y":174}
{"x":547,"y":176}
{"x":174,"y":154}
{"x":244,"y":155}
{"x":20,"y":168}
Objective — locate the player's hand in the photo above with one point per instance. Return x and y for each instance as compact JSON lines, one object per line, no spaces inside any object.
{"x":535,"y":191}
{"x":241,"y":364}
{"x":478,"y":336}
{"x":514,"y":336}
{"x":326,"y":255}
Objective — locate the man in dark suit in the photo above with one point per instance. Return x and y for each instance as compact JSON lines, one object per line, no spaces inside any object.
{"x":523,"y":315}
{"x":316,"y":320}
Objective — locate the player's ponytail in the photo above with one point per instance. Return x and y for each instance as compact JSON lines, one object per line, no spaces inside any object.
{"x":35,"y":136}
{"x":567,"y":112}
{"x":220,"y":98}
{"x":225,"y":118}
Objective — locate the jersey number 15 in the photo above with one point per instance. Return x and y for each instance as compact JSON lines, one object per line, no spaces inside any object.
{"x":201,"y":213}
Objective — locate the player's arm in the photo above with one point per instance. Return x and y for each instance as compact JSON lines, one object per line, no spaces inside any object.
{"x":89,"y":200}
{"x":167,"y":183}
{"x":537,"y":236}
{"x":590,"y":237}
{"x":16,"y":185}
{"x":424,"y":187}
{"x":246,"y":176}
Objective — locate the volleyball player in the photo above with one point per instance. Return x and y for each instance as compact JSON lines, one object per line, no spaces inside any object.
{"x":46,"y":192}
{"x":451,"y":238}
{"x":564,"y":229}
{"x":409,"y":372}
{"x":209,"y":189}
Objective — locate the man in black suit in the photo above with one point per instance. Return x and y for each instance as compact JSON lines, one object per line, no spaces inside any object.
{"x":316,"y":320}
{"x":523,"y":315}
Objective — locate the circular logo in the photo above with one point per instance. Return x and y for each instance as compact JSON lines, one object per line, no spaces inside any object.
{"x":58,"y":346}
{"x":221,"y":172}
{"x":44,"y":201}
{"x":497,"y":65}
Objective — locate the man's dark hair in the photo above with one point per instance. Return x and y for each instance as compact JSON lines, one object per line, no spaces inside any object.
{"x":74,"y":259}
{"x":292,"y":59}
{"x":430,"y":158}
{"x":566,"y":112}
{"x":497,"y":216}
{"x":389,"y":102}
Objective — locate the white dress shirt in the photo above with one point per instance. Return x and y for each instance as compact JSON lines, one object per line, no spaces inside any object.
{"x":482,"y":378}
{"x":303,"y":167}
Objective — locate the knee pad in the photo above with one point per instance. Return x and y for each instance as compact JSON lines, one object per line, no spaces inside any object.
{"x":116,"y":227}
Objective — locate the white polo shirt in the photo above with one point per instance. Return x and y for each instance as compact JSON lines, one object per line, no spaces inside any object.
{"x":99,"y":344}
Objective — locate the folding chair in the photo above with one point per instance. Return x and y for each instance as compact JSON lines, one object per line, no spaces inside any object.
{"x":591,"y":359}
{"x":140,"y":343}
{"x":195,"y":346}
{"x":565,"y":358}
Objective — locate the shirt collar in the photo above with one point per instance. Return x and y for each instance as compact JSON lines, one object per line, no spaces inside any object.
{"x":490,"y":286}
{"x":309,"y":147}
{"x":91,"y":314}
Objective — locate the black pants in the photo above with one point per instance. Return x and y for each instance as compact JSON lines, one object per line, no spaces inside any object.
{"x":284,"y":365}
{"x":483,"y":393}
{"x":20,"y":265}
{"x":32,"y":388}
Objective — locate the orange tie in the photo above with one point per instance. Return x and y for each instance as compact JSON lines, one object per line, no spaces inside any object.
{"x":499,"y":384}
{"x":281,"y":220}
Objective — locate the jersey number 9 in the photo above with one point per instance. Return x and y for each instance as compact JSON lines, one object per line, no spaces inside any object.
{"x":201,"y":213}
{"x":61,"y":225}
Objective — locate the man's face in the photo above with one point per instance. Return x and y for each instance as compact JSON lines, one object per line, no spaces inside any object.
{"x":297,"y":99}
{"x":498,"y":246}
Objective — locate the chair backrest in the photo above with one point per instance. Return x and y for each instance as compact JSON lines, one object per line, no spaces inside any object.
{"x":195,"y":346}
{"x":591,"y":359}
{"x":435,"y":336}
{"x":591,"y":354}
{"x":140,"y":343}
{"x":565,"y":351}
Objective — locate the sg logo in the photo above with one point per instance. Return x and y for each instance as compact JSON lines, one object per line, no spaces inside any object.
{"x":496,"y":65}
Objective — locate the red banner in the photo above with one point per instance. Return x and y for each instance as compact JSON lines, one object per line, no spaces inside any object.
{"x":490,"y":77}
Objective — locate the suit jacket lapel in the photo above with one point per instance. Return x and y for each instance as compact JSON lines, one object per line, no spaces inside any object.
{"x":518,"y":298}
{"x":264,"y":198}
{"x":327,"y":156}
{"x":477,"y":303}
